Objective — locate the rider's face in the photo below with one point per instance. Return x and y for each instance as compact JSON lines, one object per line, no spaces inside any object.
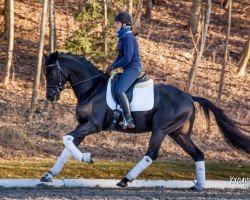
{"x":119,"y":25}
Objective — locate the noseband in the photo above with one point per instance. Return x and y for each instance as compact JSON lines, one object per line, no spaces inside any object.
{"x":59,"y":86}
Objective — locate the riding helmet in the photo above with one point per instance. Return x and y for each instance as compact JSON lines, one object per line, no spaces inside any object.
{"x":124,"y":17}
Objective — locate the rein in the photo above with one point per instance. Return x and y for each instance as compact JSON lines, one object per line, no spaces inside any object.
{"x":59,"y":87}
{"x":85,"y":80}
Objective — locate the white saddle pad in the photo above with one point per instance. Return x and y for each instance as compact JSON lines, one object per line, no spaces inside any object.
{"x":143,"y":96}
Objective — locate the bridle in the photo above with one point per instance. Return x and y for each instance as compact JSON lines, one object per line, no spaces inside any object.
{"x":59,"y":87}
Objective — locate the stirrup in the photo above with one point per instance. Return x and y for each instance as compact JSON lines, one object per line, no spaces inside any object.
{"x":123,"y":123}
{"x":127,"y":123}
{"x":131,"y":123}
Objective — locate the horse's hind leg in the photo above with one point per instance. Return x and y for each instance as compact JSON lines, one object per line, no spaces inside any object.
{"x":153,"y":150}
{"x":182,"y":137}
{"x":161,"y":128}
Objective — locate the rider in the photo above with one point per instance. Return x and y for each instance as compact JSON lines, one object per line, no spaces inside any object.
{"x":129,"y":60}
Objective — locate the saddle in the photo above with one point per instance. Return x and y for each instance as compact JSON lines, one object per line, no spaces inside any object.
{"x":129,"y":92}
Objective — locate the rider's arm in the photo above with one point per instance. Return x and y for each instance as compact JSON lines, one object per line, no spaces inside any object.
{"x":117,"y":58}
{"x":128,"y":49}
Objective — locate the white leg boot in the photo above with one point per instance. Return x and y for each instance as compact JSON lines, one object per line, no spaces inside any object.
{"x":61,"y":161}
{"x":200,"y":175}
{"x":142,"y":165}
{"x":76,"y":154}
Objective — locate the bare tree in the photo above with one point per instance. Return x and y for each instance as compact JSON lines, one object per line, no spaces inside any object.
{"x":67,"y":21}
{"x":10,"y":20}
{"x":225,"y":3}
{"x":52,"y":26}
{"x":130,"y":6}
{"x":194,"y":19}
{"x":226,"y":50}
{"x":149,"y":7}
{"x":5,"y":16}
{"x":137,"y":17}
{"x":105,"y":4}
{"x":39,"y":59}
{"x":199,"y":53}
{"x":245,"y":56}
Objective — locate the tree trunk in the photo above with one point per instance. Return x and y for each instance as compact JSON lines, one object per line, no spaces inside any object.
{"x":130,"y":6}
{"x":225,"y":3}
{"x":10,"y":42}
{"x":226,"y":51}
{"x":245,"y":56}
{"x":105,"y":31}
{"x":5,"y":17}
{"x":195,"y":15}
{"x":137,"y":17}
{"x":39,"y":59}
{"x":149,"y":7}
{"x":198,"y":56}
{"x":67,"y":18}
{"x":52,"y":26}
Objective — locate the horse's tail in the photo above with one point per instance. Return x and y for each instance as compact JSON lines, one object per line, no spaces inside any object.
{"x":229,"y":127}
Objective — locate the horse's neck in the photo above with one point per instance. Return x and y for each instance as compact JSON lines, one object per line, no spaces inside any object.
{"x":85,"y":89}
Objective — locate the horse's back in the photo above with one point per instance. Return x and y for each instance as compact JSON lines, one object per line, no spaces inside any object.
{"x":172,"y":97}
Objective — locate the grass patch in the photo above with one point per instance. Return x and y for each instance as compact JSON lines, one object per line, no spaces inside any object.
{"x":115,"y":170}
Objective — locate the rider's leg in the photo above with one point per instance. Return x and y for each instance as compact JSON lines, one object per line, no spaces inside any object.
{"x":126,"y":80}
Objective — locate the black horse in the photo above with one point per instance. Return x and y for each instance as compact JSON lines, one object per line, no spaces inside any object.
{"x":173,"y":114}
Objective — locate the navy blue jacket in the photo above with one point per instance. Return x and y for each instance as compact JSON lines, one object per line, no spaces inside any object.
{"x":128,"y":53}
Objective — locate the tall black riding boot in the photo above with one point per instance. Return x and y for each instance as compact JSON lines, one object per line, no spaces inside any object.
{"x":124,"y":103}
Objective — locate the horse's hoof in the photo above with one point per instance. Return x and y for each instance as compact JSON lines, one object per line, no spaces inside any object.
{"x":87,"y":158}
{"x":91,"y":161}
{"x":195,"y":188}
{"x":123,"y":183}
{"x":47,"y":177}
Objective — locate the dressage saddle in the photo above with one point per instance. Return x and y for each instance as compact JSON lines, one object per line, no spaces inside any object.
{"x":129,"y":92}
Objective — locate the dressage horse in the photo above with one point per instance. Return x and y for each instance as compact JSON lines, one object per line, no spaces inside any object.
{"x":173,"y":114}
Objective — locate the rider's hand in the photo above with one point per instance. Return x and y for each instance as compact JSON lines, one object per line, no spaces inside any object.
{"x":109,"y":69}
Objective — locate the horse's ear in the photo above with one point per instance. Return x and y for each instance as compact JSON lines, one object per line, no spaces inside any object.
{"x":56,"y":54}
{"x":45,"y":56}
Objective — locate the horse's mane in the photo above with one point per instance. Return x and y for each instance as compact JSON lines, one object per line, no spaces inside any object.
{"x":82,"y":59}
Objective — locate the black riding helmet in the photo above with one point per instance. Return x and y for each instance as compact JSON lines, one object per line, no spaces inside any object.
{"x":124,"y":17}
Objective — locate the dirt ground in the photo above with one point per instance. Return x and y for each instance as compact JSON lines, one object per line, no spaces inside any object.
{"x":130,"y":193}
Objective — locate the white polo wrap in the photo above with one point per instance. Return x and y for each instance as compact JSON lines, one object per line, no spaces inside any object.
{"x":142,"y":165}
{"x":75,"y":152}
{"x":200,"y":175}
{"x":60,"y":162}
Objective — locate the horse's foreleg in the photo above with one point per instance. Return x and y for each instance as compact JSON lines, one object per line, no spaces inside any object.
{"x":153,"y":150}
{"x":61,"y":161}
{"x":56,"y":169}
{"x":68,"y":141}
{"x":71,"y":141}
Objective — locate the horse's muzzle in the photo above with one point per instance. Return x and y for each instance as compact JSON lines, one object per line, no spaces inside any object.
{"x":52,"y":97}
